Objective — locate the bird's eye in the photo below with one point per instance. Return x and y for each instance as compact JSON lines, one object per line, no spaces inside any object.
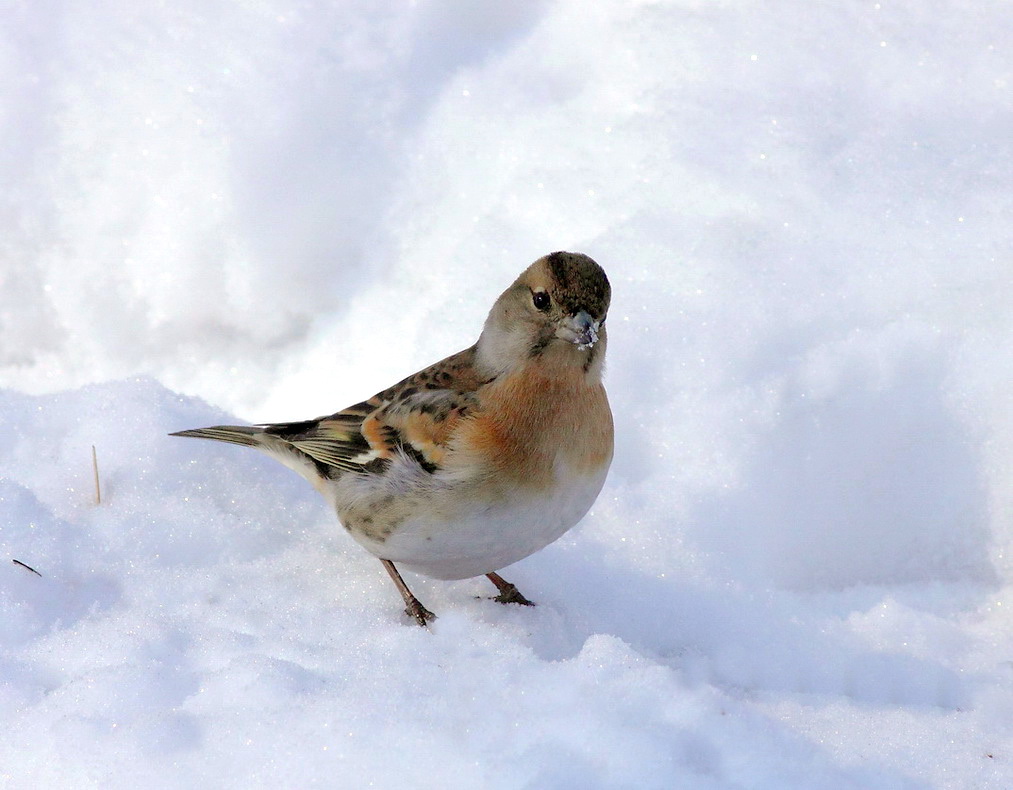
{"x":541,"y":299}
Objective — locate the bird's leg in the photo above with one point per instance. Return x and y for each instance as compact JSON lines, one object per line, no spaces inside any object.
{"x":507,"y":592}
{"x":413,"y":607}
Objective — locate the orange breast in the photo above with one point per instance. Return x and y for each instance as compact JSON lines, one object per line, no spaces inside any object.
{"x":530,"y":421}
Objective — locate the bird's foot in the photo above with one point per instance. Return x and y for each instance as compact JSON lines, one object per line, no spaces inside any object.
{"x":418,"y":612}
{"x":413,"y":606}
{"x":511,"y":595}
{"x":508,"y":593}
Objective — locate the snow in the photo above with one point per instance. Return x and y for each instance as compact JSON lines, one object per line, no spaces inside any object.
{"x":798,"y":574}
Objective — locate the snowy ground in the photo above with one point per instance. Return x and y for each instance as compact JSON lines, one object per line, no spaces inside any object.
{"x":799,"y":574}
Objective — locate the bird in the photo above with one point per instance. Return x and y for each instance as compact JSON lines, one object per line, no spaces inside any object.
{"x":481,"y":459}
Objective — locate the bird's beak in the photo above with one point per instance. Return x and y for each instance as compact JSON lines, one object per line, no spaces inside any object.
{"x":580,"y":329}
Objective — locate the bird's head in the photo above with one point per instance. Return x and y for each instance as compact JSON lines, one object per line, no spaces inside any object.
{"x":554,"y":312}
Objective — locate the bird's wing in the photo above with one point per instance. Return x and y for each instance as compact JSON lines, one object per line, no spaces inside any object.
{"x":416,"y":417}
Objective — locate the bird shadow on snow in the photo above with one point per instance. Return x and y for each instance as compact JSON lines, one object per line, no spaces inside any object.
{"x":868,"y":487}
{"x":742,"y":640}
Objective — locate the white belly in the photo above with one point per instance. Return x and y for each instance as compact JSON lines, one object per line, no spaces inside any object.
{"x":481,"y":539}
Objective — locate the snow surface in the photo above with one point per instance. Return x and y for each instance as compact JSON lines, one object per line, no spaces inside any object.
{"x":799,"y":572}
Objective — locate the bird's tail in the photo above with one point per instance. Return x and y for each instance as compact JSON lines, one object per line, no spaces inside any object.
{"x":235,"y":434}
{"x":259,"y":438}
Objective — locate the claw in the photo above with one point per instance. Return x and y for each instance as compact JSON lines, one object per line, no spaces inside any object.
{"x":508,"y":593}
{"x":419,"y":613}
{"x":511,"y":594}
{"x":413,"y":606}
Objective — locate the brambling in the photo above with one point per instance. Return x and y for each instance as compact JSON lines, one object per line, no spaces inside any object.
{"x":482,"y":459}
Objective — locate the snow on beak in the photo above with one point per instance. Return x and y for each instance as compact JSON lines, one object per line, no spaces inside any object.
{"x":580,"y":329}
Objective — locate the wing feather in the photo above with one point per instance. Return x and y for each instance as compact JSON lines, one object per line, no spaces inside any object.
{"x":416,"y":418}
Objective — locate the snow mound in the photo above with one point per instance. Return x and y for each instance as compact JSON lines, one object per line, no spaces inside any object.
{"x":209,"y":622}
